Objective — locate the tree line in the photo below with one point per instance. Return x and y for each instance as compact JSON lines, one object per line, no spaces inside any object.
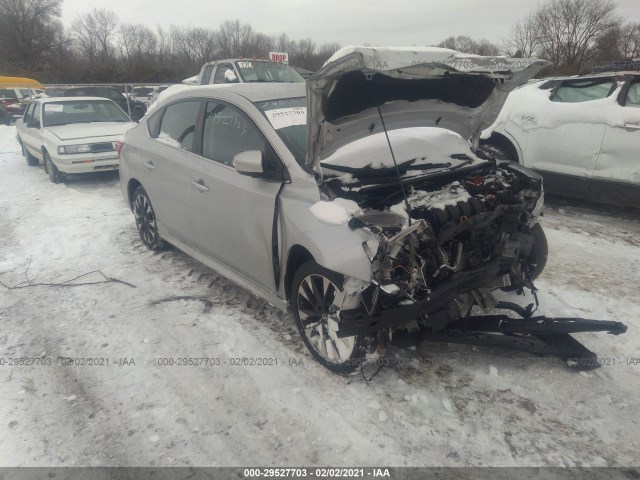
{"x":99,"y":47}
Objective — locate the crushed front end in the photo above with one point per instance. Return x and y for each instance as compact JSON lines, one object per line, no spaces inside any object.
{"x":469,"y":231}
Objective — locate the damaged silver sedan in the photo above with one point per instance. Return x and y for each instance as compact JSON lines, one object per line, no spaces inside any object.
{"x":364,"y":207}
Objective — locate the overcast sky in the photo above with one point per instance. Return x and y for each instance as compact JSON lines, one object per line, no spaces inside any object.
{"x":349,"y":22}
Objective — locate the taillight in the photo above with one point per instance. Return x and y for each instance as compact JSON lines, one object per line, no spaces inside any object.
{"x":119,"y":146}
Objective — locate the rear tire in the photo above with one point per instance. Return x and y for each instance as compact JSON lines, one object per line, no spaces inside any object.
{"x":31,"y":160}
{"x":146,"y":220}
{"x":538,"y":258}
{"x":315,"y":299}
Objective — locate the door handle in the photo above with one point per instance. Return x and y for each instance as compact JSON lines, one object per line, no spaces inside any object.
{"x":150,"y":165}
{"x":632,"y":126}
{"x":200,"y":186}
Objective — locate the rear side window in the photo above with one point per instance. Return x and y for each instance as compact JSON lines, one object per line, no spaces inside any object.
{"x":228,"y":132}
{"x":178,"y":125}
{"x":633,"y":97}
{"x":584,"y":91}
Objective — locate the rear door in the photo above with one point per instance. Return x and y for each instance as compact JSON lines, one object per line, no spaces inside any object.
{"x":31,"y":135}
{"x":565,"y":146}
{"x":233,"y":213}
{"x":617,"y":173}
{"x":167,"y":179}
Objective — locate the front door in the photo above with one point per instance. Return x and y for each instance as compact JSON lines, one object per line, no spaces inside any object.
{"x":565,"y":146}
{"x":233,"y":213}
{"x":616,"y":177}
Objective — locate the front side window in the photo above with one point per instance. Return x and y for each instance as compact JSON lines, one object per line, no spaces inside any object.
{"x":288,"y":117}
{"x":35,"y":115}
{"x":29,"y":113}
{"x":225,"y":74}
{"x":633,"y":97}
{"x":228,"y":132}
{"x":583,"y":91}
{"x":206,"y":75}
{"x":178,"y":125}
{"x":82,"y":111}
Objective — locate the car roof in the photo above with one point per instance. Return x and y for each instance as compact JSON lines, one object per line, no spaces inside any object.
{"x":254,"y":92}
{"x":227,"y":60}
{"x":71,"y":99}
{"x":587,"y":76}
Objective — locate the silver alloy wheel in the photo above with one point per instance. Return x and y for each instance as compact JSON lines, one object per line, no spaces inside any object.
{"x":145,"y":219}
{"x":318,"y":302}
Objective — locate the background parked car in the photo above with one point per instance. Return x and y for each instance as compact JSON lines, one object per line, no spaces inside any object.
{"x":247,"y":71}
{"x":146,"y":94}
{"x":72,"y":135}
{"x":138,"y":109}
{"x":15,"y":93}
{"x":581,"y":133}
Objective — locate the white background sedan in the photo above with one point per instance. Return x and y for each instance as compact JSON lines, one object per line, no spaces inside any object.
{"x":72,"y":135}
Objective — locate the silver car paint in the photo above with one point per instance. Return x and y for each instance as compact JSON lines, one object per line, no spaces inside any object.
{"x":416,"y":63}
{"x":243,"y":223}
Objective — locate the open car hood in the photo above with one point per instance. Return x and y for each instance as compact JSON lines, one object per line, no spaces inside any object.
{"x":414,"y":86}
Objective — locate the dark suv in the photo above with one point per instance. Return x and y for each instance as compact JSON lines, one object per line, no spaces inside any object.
{"x":138,"y":109}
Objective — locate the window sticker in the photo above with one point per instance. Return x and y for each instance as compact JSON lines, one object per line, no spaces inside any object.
{"x":287,"y":117}
{"x":52,"y":107}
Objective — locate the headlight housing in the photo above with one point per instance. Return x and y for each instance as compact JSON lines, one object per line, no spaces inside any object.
{"x":85,"y":148}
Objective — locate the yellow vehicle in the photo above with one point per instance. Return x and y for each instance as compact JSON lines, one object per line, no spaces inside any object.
{"x":14,"y":94}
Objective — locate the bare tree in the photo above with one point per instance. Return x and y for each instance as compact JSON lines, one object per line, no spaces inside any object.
{"x":95,"y":33}
{"x":465,"y":44}
{"x":137,"y":42}
{"x":568,"y":29}
{"x":630,"y":41}
{"x":524,"y":37}
{"x":234,"y":39}
{"x":28,"y":28}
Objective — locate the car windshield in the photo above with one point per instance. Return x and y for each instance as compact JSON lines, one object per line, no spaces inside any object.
{"x":289,"y":119}
{"x":142,"y":91}
{"x":8,"y":93}
{"x":82,"y":111}
{"x":263,"y":71}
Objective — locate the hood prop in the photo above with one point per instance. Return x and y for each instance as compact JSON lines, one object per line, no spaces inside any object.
{"x":395,"y":163}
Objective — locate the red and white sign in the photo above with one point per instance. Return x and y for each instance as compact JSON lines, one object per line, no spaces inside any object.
{"x":279,"y":57}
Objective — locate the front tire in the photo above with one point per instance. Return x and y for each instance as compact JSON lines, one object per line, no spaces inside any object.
{"x":316,"y":298}
{"x":538,"y":257}
{"x":55,"y":176}
{"x":146,"y":220}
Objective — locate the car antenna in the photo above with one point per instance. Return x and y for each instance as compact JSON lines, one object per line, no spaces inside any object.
{"x":386,"y":134}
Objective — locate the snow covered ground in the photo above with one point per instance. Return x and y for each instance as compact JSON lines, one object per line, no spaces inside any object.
{"x":451,"y":406}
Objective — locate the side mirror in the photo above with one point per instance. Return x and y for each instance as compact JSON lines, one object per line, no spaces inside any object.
{"x":249,"y":163}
